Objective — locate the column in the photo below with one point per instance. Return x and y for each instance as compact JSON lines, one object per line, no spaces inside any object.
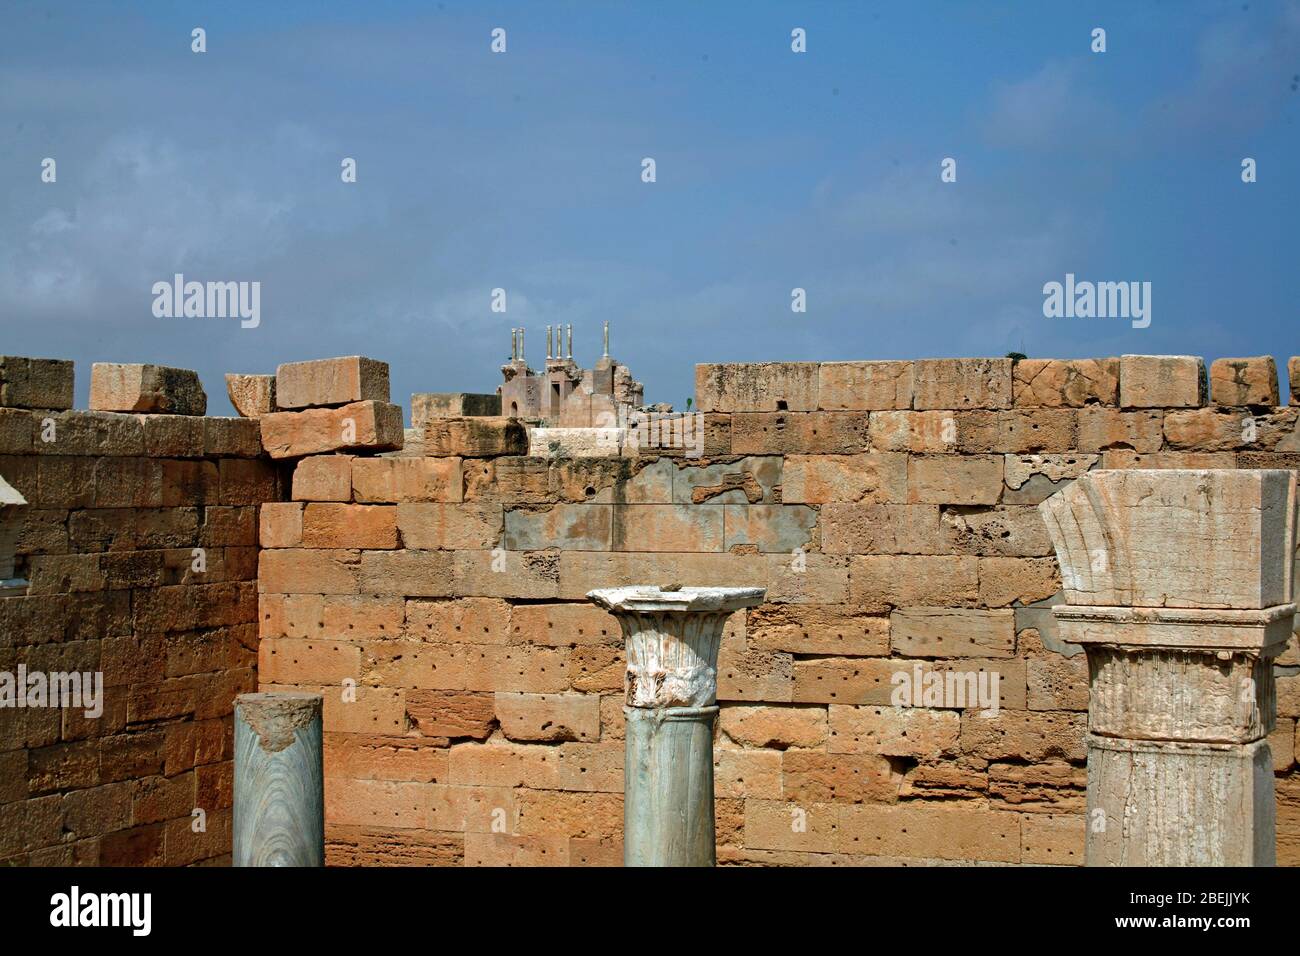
{"x":672,"y":638}
{"x":279,"y":816}
{"x":1178,"y":585}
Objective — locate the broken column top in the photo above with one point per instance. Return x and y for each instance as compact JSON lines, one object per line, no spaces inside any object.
{"x":651,"y":598}
{"x":1174,"y":538}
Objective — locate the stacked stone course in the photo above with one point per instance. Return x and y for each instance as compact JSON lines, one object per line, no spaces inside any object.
{"x":890,"y":510}
{"x":138,"y":543}
{"x":434,"y":591}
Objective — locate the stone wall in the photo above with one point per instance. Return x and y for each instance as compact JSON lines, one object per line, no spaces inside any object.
{"x":474,"y":697}
{"x":139,"y":546}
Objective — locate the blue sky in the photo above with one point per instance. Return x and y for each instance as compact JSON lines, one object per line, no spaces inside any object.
{"x":522,"y":171}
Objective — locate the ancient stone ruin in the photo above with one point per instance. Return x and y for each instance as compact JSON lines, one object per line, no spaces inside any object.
{"x":1008,"y":612}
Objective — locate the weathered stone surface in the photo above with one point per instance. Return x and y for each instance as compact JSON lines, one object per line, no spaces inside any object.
{"x":954,"y":480}
{"x":930,"y":431}
{"x":817,"y":479}
{"x":1009,"y":530}
{"x":252,"y":395}
{"x":477,"y":437}
{"x":1069,"y":383}
{"x":818,"y":629}
{"x":559,"y":443}
{"x":894,"y":731}
{"x":1032,"y":479}
{"x":362,"y":425}
{"x":884,"y":581}
{"x":1244,"y":381}
{"x":570,"y":527}
{"x":1104,"y":428}
{"x":1293,"y":378}
{"x":1007,"y":581}
{"x":776,"y":727}
{"x":952,"y":632}
{"x":323,"y":478}
{"x":35,"y":383}
{"x":435,"y":525}
{"x":864,"y":385}
{"x":549,"y":717}
{"x":334,"y":381}
{"x":779,"y":529}
{"x":1176,"y":538}
{"x":428,"y":405}
{"x":757,"y":387}
{"x":800,"y":433}
{"x":752,"y":481}
{"x":407,"y":479}
{"x":963,"y":383}
{"x":146,"y":388}
{"x":1161,"y":381}
{"x":811,"y":776}
{"x":881,"y":529}
{"x":676,"y":527}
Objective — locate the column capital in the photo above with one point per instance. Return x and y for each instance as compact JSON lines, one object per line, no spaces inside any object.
{"x":1175,"y":538}
{"x":672,"y":638}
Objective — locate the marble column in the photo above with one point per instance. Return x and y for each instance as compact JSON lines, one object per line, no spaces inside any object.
{"x":1178,"y":584}
{"x":672,"y":641}
{"x":279,"y":815}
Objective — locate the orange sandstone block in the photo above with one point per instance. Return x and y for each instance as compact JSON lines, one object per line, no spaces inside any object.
{"x":361,"y":425}
{"x":1244,"y":381}
{"x":323,"y":478}
{"x":334,"y":381}
{"x":407,"y":479}
{"x":280,"y":525}
{"x":334,"y":525}
{"x":303,"y":571}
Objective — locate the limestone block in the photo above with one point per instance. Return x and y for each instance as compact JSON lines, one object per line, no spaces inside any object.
{"x":1032,"y":479}
{"x":369,"y":425}
{"x":952,"y":632}
{"x":1161,"y":381}
{"x":881,"y":529}
{"x":668,"y":527}
{"x":1293,"y":378}
{"x":576,"y":442}
{"x":868,"y":478}
{"x":35,"y":383}
{"x":757,"y":387}
{"x":1067,"y":383}
{"x":407,"y":479}
{"x":323,"y":478}
{"x":252,"y":395}
{"x":428,"y":405}
{"x":1244,"y":381}
{"x":335,"y":381}
{"x":864,"y":385}
{"x":476,"y":437}
{"x":146,"y":388}
{"x":569,"y":527}
{"x":768,"y":528}
{"x":1103,"y":428}
{"x":753,"y":480}
{"x":1177,"y":539}
{"x":954,"y":479}
{"x":963,"y":383}
{"x":894,"y":731}
{"x":800,"y":433}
